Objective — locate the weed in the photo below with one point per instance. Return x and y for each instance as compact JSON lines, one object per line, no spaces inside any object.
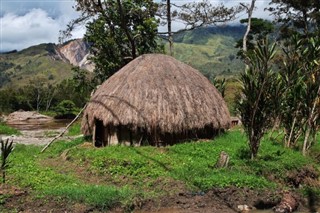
{"x":7,"y":130}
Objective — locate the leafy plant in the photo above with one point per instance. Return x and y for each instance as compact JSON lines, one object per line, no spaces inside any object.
{"x":6,"y":149}
{"x":255,"y":106}
{"x":7,"y":130}
{"x":66,"y":109}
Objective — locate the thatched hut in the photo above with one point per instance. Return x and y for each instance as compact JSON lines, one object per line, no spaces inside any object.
{"x":155,"y":99}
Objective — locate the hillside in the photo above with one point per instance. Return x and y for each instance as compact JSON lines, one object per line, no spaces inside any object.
{"x":210,"y":50}
{"x":48,"y":62}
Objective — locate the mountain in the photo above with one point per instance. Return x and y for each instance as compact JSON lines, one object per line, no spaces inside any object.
{"x":48,"y":62}
{"x":76,"y":52}
{"x":210,"y":50}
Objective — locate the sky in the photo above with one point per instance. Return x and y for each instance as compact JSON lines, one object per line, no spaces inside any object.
{"x":24,"y":23}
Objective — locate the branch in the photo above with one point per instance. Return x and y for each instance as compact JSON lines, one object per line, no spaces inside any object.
{"x":58,"y":136}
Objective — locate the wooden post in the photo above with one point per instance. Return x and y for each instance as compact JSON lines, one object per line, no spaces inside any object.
{"x":222,"y":161}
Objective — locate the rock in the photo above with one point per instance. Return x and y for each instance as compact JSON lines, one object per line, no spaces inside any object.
{"x":244,"y":208}
{"x":287,"y":204}
{"x":26,"y":115}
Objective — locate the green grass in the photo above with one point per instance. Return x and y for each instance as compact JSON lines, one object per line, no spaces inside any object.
{"x":75,"y":129}
{"x":193,"y":163}
{"x":7,"y":130}
{"x":26,"y":170}
{"x":97,"y":196}
{"x":125,"y":173}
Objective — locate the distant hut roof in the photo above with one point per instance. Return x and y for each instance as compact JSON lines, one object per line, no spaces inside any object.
{"x":157,"y":91}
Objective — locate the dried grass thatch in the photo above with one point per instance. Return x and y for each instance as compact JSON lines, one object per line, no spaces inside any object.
{"x":156,"y":91}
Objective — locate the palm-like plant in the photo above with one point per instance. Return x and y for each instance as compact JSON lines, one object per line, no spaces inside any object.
{"x":301,"y":77}
{"x":256,"y":106}
{"x":6,"y":149}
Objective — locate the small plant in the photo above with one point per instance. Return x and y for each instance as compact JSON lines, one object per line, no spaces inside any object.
{"x":7,"y":130}
{"x":6,"y":149}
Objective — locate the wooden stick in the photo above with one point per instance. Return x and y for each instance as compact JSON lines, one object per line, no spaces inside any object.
{"x":58,"y":136}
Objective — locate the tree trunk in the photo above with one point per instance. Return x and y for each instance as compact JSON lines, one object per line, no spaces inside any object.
{"x":58,"y":136}
{"x":245,"y":37}
{"x":288,"y":142}
{"x":305,"y":142}
{"x":312,"y":118}
{"x":124,"y":27}
{"x":222,"y":161}
{"x":170,"y":39}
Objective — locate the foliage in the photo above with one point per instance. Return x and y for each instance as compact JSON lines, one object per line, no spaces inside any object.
{"x":220,"y":84}
{"x":66,"y":109}
{"x":6,"y":149}
{"x":198,"y":14}
{"x":122,"y":174}
{"x":255,"y":106}
{"x":7,"y":130}
{"x":296,"y":16}
{"x":118,"y":31}
{"x":301,"y":75}
{"x":260,"y":28}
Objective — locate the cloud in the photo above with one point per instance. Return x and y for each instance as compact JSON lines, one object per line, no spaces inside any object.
{"x":25,"y":23}
{"x":21,"y":30}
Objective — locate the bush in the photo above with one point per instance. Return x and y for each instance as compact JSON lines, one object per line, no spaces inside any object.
{"x":66,"y":109}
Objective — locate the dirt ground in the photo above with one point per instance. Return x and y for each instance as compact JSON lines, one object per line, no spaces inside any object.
{"x":226,"y":200}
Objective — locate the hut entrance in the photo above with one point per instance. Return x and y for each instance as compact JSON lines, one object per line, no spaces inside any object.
{"x":99,"y":134}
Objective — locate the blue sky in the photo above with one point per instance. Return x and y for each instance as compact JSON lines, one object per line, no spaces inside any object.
{"x":24,"y":23}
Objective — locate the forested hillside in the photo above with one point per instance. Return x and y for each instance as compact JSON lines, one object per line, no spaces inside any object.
{"x":210,"y":50}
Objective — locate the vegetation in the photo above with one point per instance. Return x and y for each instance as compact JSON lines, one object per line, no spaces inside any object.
{"x":7,"y":130}
{"x":66,"y":109}
{"x":145,"y":171}
{"x":256,"y":105}
{"x":6,"y":148}
{"x":118,"y":37}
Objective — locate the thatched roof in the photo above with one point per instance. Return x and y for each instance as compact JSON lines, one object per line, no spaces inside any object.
{"x":156,"y":91}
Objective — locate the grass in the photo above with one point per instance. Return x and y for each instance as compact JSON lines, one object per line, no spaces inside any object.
{"x":127,"y":173}
{"x":75,"y":129}
{"x":7,"y":130}
{"x":101,"y":197}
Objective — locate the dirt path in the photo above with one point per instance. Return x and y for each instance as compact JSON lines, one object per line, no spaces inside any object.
{"x":35,"y":137}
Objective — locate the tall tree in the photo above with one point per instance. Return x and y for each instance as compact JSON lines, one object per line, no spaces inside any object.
{"x":297,"y":16}
{"x":249,"y":10}
{"x":259,"y":30}
{"x":118,"y":31}
{"x":194,"y":15}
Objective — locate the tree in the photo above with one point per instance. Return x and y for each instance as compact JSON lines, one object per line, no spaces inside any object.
{"x":66,"y":109}
{"x":260,"y":29}
{"x":118,"y":31}
{"x":301,"y":77}
{"x":245,"y":36}
{"x":297,"y":16}
{"x":193,"y":15}
{"x":255,"y":106}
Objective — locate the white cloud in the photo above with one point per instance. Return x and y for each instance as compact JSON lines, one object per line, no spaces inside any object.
{"x":34,"y":27}
{"x":27,"y":23}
